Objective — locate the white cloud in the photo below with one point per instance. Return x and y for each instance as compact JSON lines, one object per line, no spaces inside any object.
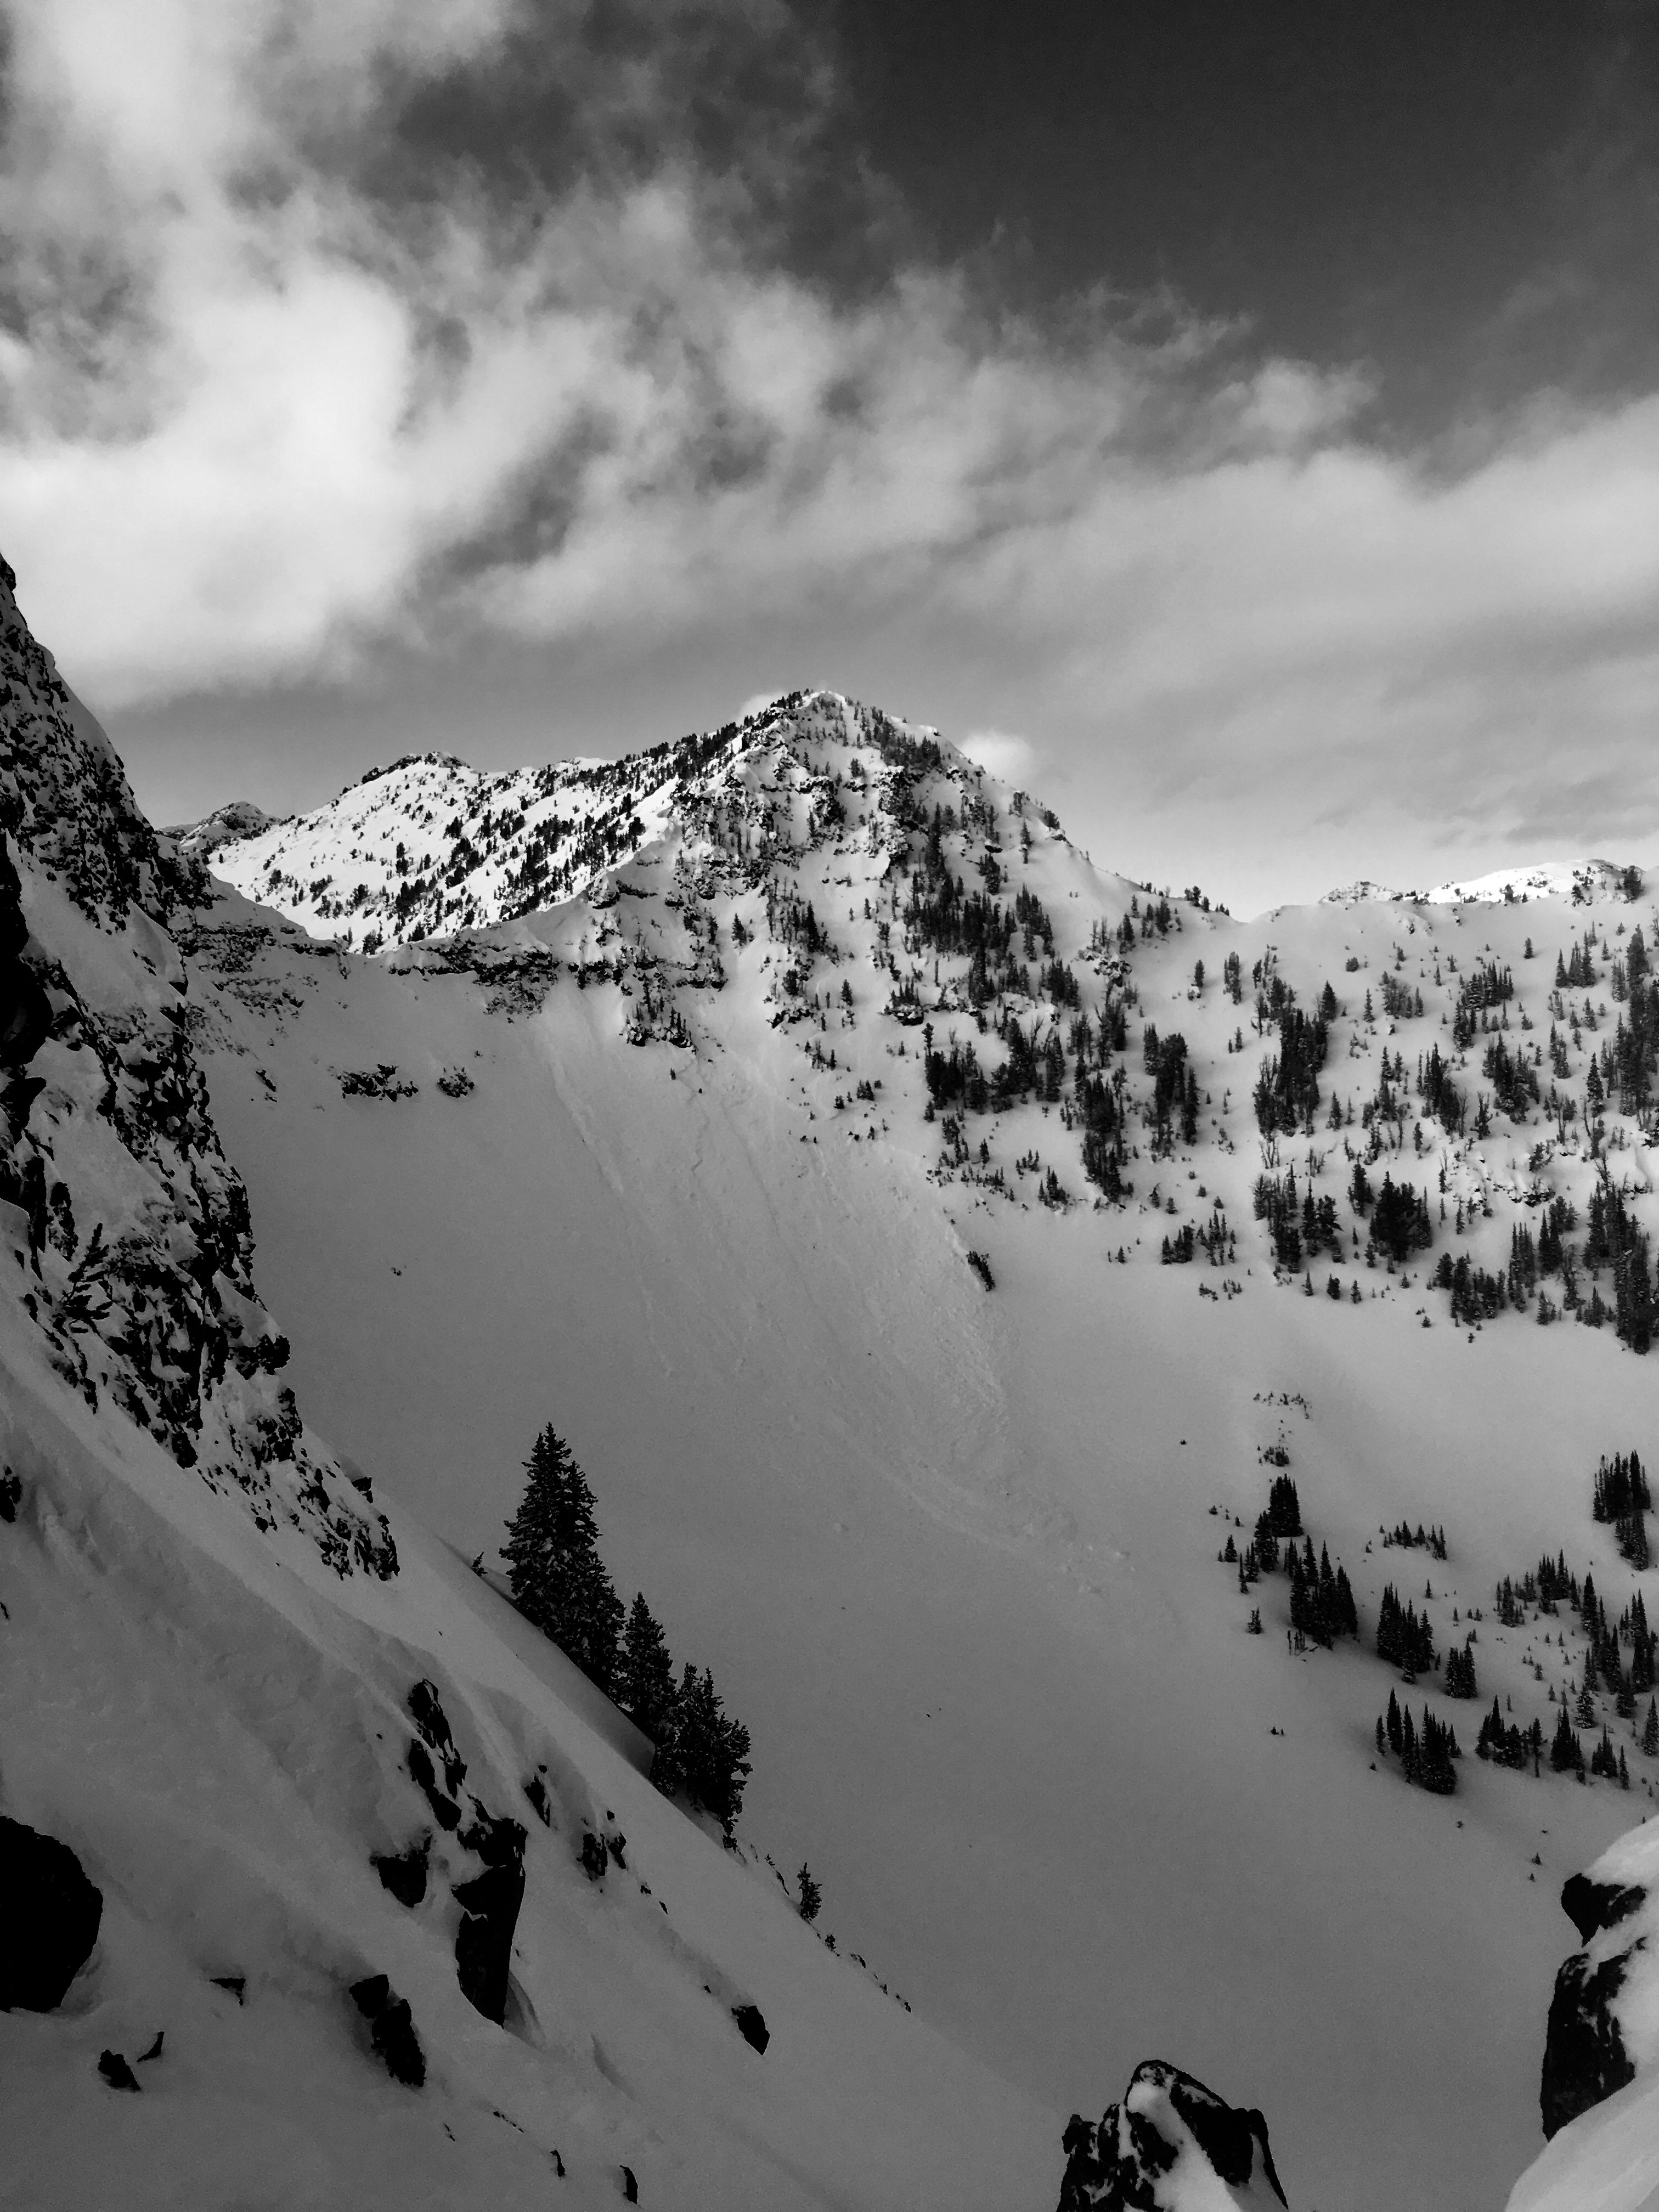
{"x":758,"y":700}
{"x":1000,"y":754}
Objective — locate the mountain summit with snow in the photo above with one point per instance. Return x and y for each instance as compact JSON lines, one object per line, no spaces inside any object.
{"x":1578,"y":883}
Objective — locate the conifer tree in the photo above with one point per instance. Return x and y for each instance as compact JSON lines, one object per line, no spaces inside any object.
{"x":1566,"y":1753}
{"x":812,"y":1897}
{"x":645,"y":1672}
{"x":1650,"y":1732}
{"x":558,"y":1579}
{"x":1439,"y":1748}
{"x":705,"y":1752}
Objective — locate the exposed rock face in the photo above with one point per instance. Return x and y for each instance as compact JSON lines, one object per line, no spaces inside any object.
{"x":490,"y":1901}
{"x":1585,"y":2054}
{"x":1593,"y":1905}
{"x":132,"y":1228}
{"x":391,"y":2029}
{"x":49,"y":1916}
{"x":1599,"y":2032}
{"x":404,"y":1873}
{"x":489,"y":1913}
{"x":1171,"y":2146}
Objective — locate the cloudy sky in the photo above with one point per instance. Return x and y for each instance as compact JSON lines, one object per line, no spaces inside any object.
{"x":1239,"y":422}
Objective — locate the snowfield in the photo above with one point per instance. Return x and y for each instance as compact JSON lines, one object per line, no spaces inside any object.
{"x":653,"y":1114}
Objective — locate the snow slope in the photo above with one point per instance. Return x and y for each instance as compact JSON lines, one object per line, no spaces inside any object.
{"x":1578,"y":882}
{"x":221,"y":1659}
{"x":951,"y":1555}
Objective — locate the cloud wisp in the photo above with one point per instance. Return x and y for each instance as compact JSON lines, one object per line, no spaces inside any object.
{"x":269,"y":410}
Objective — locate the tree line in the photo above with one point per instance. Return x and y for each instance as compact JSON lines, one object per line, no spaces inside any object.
{"x":560,"y":1583}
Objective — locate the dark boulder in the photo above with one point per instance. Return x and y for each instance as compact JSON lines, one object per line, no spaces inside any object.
{"x":489,"y":1913}
{"x":1584,"y":2054}
{"x":1142,"y":2155}
{"x":391,"y":2029}
{"x":404,"y":1873}
{"x":428,"y":1716}
{"x":1594,"y":1906}
{"x":751,"y":2027}
{"x":49,"y":1918}
{"x":115,"y":2070}
{"x":445,"y":1811}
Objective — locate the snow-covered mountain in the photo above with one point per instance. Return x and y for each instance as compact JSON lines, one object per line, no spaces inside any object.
{"x":900,"y":1040}
{"x":1577,"y":883}
{"x":935,"y":1248}
{"x":325,"y":1879}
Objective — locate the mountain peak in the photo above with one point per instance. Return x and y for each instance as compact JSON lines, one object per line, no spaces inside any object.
{"x":430,"y":846}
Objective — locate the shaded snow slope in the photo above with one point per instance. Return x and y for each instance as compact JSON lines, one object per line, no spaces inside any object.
{"x":229,"y":1688}
{"x":951,"y":1554}
{"x":220,"y":1731}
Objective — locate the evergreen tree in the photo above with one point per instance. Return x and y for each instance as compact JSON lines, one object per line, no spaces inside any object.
{"x":1651,"y":1733}
{"x":1403,"y":1639}
{"x":1439,"y":1748}
{"x":1566,"y":1753}
{"x":812,"y":1897}
{"x":704,"y":1753}
{"x":645,"y":1672}
{"x":558,"y":1579}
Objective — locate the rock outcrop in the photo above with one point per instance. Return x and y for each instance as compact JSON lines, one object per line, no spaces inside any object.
{"x":391,"y":2030}
{"x":49,"y":1917}
{"x":131,"y":1228}
{"x":1585,"y":2059}
{"x":1171,"y":2145}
